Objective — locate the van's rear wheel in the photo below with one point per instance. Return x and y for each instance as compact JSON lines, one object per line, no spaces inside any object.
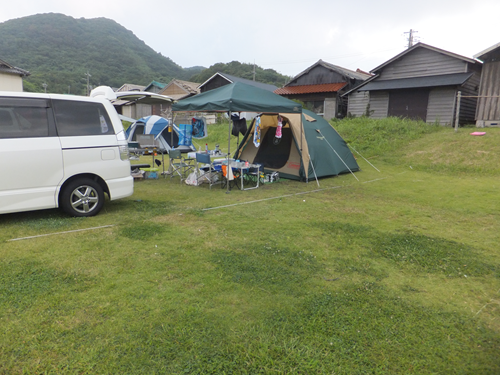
{"x":82,"y":197}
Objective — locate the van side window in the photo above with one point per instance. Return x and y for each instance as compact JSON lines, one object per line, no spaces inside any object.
{"x":75,"y":118}
{"x":20,"y":119}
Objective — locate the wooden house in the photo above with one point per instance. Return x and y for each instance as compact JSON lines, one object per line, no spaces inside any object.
{"x":128,"y":109}
{"x":11,"y":78}
{"x":178,"y":89}
{"x":420,"y":83}
{"x":320,"y":88}
{"x":143,"y":110}
{"x":130,"y":87}
{"x":155,"y":87}
{"x":222,"y":79}
{"x":488,"y":106}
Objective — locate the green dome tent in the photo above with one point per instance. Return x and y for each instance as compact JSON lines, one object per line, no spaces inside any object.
{"x":326,"y":151}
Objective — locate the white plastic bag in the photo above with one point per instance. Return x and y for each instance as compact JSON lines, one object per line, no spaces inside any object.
{"x":192,"y":179}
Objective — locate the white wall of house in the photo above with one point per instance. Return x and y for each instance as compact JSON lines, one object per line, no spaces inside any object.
{"x":11,"y":82}
{"x":330,"y":108}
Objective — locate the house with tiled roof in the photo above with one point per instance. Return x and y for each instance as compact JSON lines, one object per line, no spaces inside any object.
{"x":155,"y":87}
{"x":130,"y":87}
{"x":320,"y":88}
{"x":11,"y":77}
{"x":178,"y":89}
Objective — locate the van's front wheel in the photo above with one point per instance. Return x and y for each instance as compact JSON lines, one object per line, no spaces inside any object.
{"x":83,"y":197}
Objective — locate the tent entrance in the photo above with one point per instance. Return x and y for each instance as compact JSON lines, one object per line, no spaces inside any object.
{"x":281,"y":156}
{"x":139,"y":129}
{"x":167,"y":136}
{"x":273,"y":154}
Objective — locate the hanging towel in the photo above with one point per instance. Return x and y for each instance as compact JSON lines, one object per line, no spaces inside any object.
{"x":280,"y":126}
{"x":256,"y":133}
{"x":199,"y":127}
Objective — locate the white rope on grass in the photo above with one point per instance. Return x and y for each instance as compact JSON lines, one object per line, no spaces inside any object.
{"x":285,"y":196}
{"x":52,"y":234}
{"x":268,"y":199}
{"x":377,"y":179}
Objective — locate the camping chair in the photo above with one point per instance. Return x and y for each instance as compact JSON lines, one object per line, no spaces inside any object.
{"x":178,"y":165}
{"x":235,"y":181}
{"x":252,"y":176}
{"x":210,"y":175}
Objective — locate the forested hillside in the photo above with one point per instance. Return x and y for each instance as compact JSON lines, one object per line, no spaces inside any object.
{"x":243,"y":70}
{"x":59,"y":51}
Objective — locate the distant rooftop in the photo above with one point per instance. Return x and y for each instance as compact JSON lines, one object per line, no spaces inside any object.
{"x":233,"y":79}
{"x":7,"y":68}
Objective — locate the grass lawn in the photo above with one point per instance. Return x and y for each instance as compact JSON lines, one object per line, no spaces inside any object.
{"x":398,"y":273}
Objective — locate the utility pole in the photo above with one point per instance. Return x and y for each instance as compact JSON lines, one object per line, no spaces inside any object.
{"x":44,"y":87}
{"x":254,"y":71}
{"x":411,"y":37}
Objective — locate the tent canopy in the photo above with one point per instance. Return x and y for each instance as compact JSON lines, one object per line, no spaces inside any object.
{"x":238,"y":97}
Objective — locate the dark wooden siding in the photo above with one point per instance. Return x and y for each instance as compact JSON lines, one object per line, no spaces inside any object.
{"x":318,"y":75}
{"x":489,"y":108}
{"x":411,"y":104}
{"x":468,"y":105}
{"x":441,"y":107}
{"x":423,"y":62}
{"x":379,"y":104}
{"x":214,"y":83}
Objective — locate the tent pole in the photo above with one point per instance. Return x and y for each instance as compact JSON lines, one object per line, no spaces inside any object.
{"x":171,"y":126}
{"x":314,"y":170}
{"x":228,"y":153}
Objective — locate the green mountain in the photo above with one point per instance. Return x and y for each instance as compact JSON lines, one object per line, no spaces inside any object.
{"x":243,"y":70}
{"x":59,"y":51}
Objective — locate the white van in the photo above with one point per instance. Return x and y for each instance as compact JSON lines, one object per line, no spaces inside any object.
{"x":61,"y":151}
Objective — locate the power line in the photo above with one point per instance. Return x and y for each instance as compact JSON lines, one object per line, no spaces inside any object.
{"x":326,"y":57}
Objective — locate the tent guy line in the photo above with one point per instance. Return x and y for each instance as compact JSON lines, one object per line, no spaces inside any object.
{"x":52,"y":234}
{"x":285,"y":196}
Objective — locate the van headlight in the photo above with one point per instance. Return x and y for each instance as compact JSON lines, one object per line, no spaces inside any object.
{"x":123,"y":152}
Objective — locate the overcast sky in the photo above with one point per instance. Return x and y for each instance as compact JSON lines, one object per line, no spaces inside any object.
{"x":287,"y":35}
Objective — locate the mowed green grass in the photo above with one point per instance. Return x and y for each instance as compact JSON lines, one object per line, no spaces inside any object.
{"x":395,"y":273}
